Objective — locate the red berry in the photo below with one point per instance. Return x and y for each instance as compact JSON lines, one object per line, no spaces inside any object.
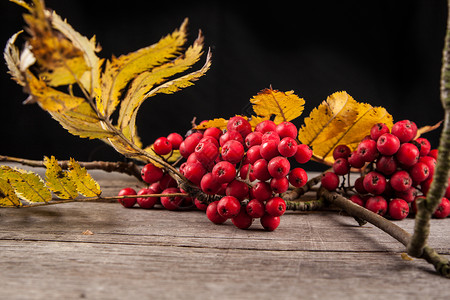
{"x":430,"y":162}
{"x":260,"y":170}
{"x":278,"y":167}
{"x":367,"y":149}
{"x":286,"y":129}
{"x":298,"y":177}
{"x":419,"y":172}
{"x":341,"y":151}
{"x":303,"y":154}
{"x":359,"y":185}
{"x":357,"y":200}
{"x":167,"y":181}
{"x":127,"y":202}
{"x":269,"y":149}
{"x":377,"y":130}
{"x":443,"y":210}
{"x":213,"y":132}
{"x":210,"y":139}
{"x":162,"y":146}
{"x":377,"y":204}
{"x":224,"y":172}
{"x":270,"y":223}
{"x":171,"y":202}
{"x":237,"y":189}
{"x":245,"y":173}
{"x":388,"y":144}
{"x":188,"y":145}
{"x":209,"y":185}
{"x":151,"y":173}
{"x":341,"y":166}
{"x":194,"y":172}
{"x":400,"y":181}
{"x":405,"y":130}
{"x":425,"y":146}
{"x":279,"y":185}
{"x":232,"y":151}
{"x":276,"y":206}
{"x":398,"y":209}
{"x":356,"y":160}
{"x":253,"y":139}
{"x":386,"y":165}
{"x":253,"y":154}
{"x":287,"y":147}
{"x":265,"y":126}
{"x":270,"y":136}
{"x":228,"y":207}
{"x":261,"y":191}
{"x":213,"y":215}
{"x":434,"y":153}
{"x":425,"y":186}
{"x":242,"y":220}
{"x":374,"y":183}
{"x":206,"y":152}
{"x":407,"y":154}
{"x":230,"y":135}
{"x":329,"y":181}
{"x":146,"y":202}
{"x":201,"y":205}
{"x":175,"y":139}
{"x":409,"y":195}
{"x":255,"y":208}
{"x":239,"y":124}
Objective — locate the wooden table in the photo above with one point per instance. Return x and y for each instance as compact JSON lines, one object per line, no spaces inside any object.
{"x":159,"y":254}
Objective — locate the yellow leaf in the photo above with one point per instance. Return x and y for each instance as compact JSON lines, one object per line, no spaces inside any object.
{"x":58,"y":181}
{"x":85,"y":184}
{"x":8,"y":197}
{"x":220,"y":123}
{"x":255,"y":120}
{"x":340,"y":120}
{"x":27,"y":185}
{"x":285,"y":106}
{"x":426,"y":129}
{"x":120,"y":71}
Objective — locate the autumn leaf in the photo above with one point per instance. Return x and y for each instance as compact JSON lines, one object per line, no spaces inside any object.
{"x":8,"y":197}
{"x":58,"y":181}
{"x":340,"y":120}
{"x":284,"y":106}
{"x":84,"y":182}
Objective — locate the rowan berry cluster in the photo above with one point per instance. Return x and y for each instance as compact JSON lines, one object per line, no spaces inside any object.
{"x":398,"y":168}
{"x":248,"y":168}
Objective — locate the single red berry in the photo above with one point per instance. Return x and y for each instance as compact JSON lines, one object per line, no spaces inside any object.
{"x":209,"y":185}
{"x":213,"y":215}
{"x":443,"y":210}
{"x":359,"y":186}
{"x":278,"y":167}
{"x":357,"y":199}
{"x":329,"y":181}
{"x":276,"y":206}
{"x":269,"y":149}
{"x":151,"y":173}
{"x":224,"y":172}
{"x":167,"y":181}
{"x":255,"y":208}
{"x":265,"y":126}
{"x":127,"y":202}
{"x":430,"y":162}
{"x":201,"y":205}
{"x":356,"y":160}
{"x":434,"y":153}
{"x":229,"y":207}
{"x":252,"y":139}
{"x":287,"y":147}
{"x":238,"y":189}
{"x":175,"y":139}
{"x":409,"y":195}
{"x":270,"y":136}
{"x":398,"y":209}
{"x":239,"y":124}
{"x":425,"y":185}
{"x":286,"y":129}
{"x":447,"y":191}
{"x":232,"y":151}
{"x":253,"y":154}
{"x":210,"y":139}
{"x":386,"y":165}
{"x":425,"y":146}
{"x":388,"y":144}
{"x":171,"y":202}
{"x":400,"y":181}
{"x":146,"y":202}
{"x":260,"y":170}
{"x":407,"y":154}
{"x":156,"y":186}
{"x":419,"y":172}
{"x":341,"y":166}
{"x":298,"y":177}
{"x":213,"y":132}
{"x":230,"y":135}
{"x":405,"y":130}
{"x":206,"y":152}
{"x":377,"y":204}
{"x":374,"y":183}
{"x":243,"y":220}
{"x":188,"y":145}
{"x":341,"y":151}
{"x":279,"y":185}
{"x":246,"y":174}
{"x":194,"y":172}
{"x":261,"y":191}
{"x":270,"y":223}
{"x":303,"y":154}
{"x":368,"y":150}
{"x":162,"y":146}
{"x":377,"y":130}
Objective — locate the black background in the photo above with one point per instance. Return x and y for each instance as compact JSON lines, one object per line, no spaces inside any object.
{"x":385,"y":53}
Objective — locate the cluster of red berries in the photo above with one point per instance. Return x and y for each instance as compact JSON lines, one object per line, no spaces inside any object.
{"x":400,"y":169}
{"x":248,"y":168}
